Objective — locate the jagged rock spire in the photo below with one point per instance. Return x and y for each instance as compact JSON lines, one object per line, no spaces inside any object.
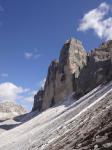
{"x":77,"y":71}
{"x":59,"y":82}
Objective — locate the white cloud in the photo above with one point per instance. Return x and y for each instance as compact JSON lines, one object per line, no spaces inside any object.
{"x":42,"y":83}
{"x":4,"y":75}
{"x":28,"y":55}
{"x":95,"y":19}
{"x":13,"y":93}
{"x":10,"y":92}
{"x":32,"y":55}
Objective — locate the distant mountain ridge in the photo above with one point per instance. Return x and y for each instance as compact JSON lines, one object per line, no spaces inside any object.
{"x":76,"y":71}
{"x":10,"y":109}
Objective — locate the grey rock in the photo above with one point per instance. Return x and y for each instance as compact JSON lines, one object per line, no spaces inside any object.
{"x":10,"y":109}
{"x":38,"y":99}
{"x":97,"y":70}
{"x":59,"y":82}
{"x":77,"y":71}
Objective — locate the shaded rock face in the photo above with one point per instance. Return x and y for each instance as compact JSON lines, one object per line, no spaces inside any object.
{"x":38,"y":99}
{"x":97,"y":70}
{"x":77,"y":71}
{"x":49,"y":89}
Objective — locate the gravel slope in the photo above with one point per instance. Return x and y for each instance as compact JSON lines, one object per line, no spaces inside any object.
{"x":68,"y":126}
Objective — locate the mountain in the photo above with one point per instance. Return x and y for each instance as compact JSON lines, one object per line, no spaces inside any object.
{"x":76,"y":71}
{"x":82,"y":124}
{"x":9,"y":110}
{"x":59,"y":82}
{"x":74,"y":109}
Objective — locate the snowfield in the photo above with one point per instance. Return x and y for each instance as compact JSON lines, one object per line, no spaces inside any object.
{"x":59,"y":127}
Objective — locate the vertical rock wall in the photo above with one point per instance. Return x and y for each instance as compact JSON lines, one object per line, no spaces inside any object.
{"x":77,"y":71}
{"x":98,"y":69}
{"x":59,"y":82}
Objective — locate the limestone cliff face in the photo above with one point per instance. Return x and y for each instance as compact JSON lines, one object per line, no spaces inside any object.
{"x":59,"y":83}
{"x":97,"y":70}
{"x":77,"y":71}
{"x":61,"y":74}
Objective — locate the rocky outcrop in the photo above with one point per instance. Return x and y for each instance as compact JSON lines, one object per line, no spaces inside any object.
{"x":10,"y":109}
{"x":61,"y":74}
{"x":97,"y":70}
{"x":59,"y":83}
{"x":77,"y":71}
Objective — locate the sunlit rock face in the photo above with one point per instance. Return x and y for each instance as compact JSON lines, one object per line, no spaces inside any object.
{"x":72,"y":59}
{"x":77,"y":71}
{"x":59,"y":83}
{"x":61,"y":74}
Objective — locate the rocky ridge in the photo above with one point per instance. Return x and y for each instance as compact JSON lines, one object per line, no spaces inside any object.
{"x":76,"y":71}
{"x":59,"y":82}
{"x":9,"y":110}
{"x":97,"y":70}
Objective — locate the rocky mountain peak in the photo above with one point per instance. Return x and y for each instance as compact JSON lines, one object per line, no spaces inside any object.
{"x":97,"y":70}
{"x":77,"y":71}
{"x":73,"y":55}
{"x":10,"y":110}
{"x":59,"y":82}
{"x":72,"y":40}
{"x":107,"y":44}
{"x":103,"y":52}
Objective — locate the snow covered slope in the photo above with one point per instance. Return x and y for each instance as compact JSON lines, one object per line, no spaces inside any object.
{"x":62,"y":126}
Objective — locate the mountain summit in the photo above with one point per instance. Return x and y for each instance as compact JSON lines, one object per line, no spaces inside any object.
{"x":76,"y":71}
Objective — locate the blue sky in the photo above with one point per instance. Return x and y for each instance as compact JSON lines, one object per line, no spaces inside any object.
{"x":32,"y":34}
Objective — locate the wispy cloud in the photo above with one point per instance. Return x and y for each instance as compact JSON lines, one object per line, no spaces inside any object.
{"x":4,"y":75}
{"x":95,"y":20}
{"x":10,"y":91}
{"x":28,"y":55}
{"x":32,"y":55}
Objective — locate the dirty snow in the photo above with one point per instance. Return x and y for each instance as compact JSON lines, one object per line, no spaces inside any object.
{"x":43,"y":129}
